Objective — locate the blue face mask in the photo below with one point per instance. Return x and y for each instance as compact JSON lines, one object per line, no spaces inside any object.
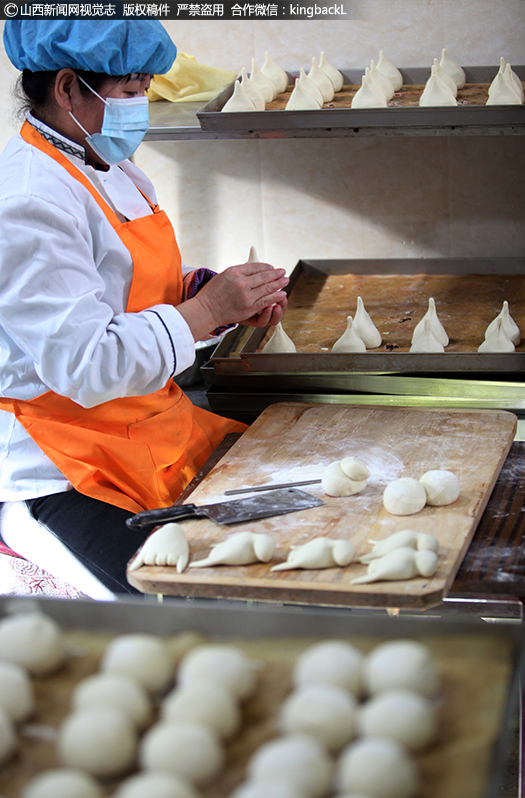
{"x":125,"y":123}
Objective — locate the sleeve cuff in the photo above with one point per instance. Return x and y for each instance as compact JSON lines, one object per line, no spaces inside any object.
{"x":175,"y":337}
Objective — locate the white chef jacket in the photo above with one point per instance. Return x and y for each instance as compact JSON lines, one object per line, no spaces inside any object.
{"x":64,"y":282}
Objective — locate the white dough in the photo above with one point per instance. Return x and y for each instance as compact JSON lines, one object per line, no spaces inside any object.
{"x":335,"y":482}
{"x":279,"y":342}
{"x":384,"y":81}
{"x":61,"y":783}
{"x":401,"y":664}
{"x":241,"y":548}
{"x":190,"y":750}
{"x":17,"y":695}
{"x":445,"y":78}
{"x":407,"y":538}
{"x":167,"y":545}
{"x":309,"y":86}
{"x":101,"y":740}
{"x":354,"y":468}
{"x":350,"y":340}
{"x":503,"y":90}
{"x":426,"y":340}
{"x":275,"y":73}
{"x":8,"y":737}
{"x":250,"y":89}
{"x":155,"y":785}
{"x":323,"y":711}
{"x":497,"y":340}
{"x":370,"y":95}
{"x":301,"y":100}
{"x":272,"y":788}
{"x":32,"y":640}
{"x":404,"y":496}
{"x":224,"y":664}
{"x":510,"y":327}
{"x":240,"y":101}
{"x":264,"y":84}
{"x":402,"y":715}
{"x":333,"y":662}
{"x":399,"y":564}
{"x":453,"y":69}
{"x":318,"y":553}
{"x":114,"y":690}
{"x":322,"y":81}
{"x":365,"y":327}
{"x":206,"y":703}
{"x":296,"y":758}
{"x":436,"y":327}
{"x":436,"y":93}
{"x":441,"y":486}
{"x":390,"y":71}
{"x":335,"y":76}
{"x":379,"y":768}
{"x":514,"y":76}
{"x":144,"y":657}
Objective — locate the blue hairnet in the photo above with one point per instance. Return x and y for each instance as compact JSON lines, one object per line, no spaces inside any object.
{"x":119,"y":47}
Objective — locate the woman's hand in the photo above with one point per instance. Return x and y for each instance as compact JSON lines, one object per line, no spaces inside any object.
{"x":251,"y":293}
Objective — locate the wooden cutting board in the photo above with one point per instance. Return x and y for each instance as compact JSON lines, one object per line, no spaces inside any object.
{"x":293,"y":441}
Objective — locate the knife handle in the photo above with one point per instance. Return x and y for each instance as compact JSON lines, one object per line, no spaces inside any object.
{"x":162,"y":515}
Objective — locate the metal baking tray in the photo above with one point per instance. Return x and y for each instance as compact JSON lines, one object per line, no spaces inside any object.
{"x":344,"y":121}
{"x":89,"y":625}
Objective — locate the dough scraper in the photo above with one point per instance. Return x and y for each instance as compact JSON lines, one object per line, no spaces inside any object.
{"x":276,"y":502}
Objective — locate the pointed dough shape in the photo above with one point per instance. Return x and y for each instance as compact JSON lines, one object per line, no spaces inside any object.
{"x":263,"y":83}
{"x":516,"y":79}
{"x":242,"y":548}
{"x":333,"y":73}
{"x":309,"y":86}
{"x":445,"y":78}
{"x":436,"y":93}
{"x":391,"y":72}
{"x":279,"y":342}
{"x":385,"y":83}
{"x":252,"y":256}
{"x":318,"y":553}
{"x":350,"y":340}
{"x":275,"y":73}
{"x":498,"y":340}
{"x":399,"y":564}
{"x":453,"y":69}
{"x":167,"y":545}
{"x":426,"y":341}
{"x":437,"y":328}
{"x":322,"y":81}
{"x":510,"y":327}
{"x":370,"y":95}
{"x":365,"y":327}
{"x":252,"y":91}
{"x":503,"y":90}
{"x":406,"y":538}
{"x":239,"y":101}
{"x":301,"y":100}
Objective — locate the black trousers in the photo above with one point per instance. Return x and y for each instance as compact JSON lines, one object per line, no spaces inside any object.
{"x":94,"y":531}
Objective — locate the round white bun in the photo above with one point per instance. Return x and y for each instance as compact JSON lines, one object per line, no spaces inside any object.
{"x":32,"y":640}
{"x":224,"y":664}
{"x":379,"y":768}
{"x":295,"y":758}
{"x":330,"y":662}
{"x":144,"y":657}
{"x":114,"y":690}
{"x":17,"y":696}
{"x":101,"y":740}
{"x":325,"y":712}
{"x":404,"y":496}
{"x":155,"y":785}
{"x":402,"y":715}
{"x":190,"y":750}
{"x":441,"y":486}
{"x":62,"y":783}
{"x":204,"y":702}
{"x":401,"y":663}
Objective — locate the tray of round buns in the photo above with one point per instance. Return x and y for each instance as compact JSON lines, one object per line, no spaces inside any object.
{"x":471,"y":687}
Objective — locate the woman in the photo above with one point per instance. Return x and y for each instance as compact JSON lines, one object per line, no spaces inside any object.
{"x":97,"y":311}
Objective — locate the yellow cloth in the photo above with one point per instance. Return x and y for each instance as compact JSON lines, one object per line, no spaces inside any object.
{"x":189,"y":81}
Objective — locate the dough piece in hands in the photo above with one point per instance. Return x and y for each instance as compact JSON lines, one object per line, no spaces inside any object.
{"x":241,"y":548}
{"x":279,"y":342}
{"x":276,"y":788}
{"x":404,"y":496}
{"x":399,"y":564}
{"x":436,"y":327}
{"x":453,"y":69}
{"x":326,"y":712}
{"x":275,"y":73}
{"x":370,"y":95}
{"x":167,"y":545}
{"x":497,"y":340}
{"x":17,"y":696}
{"x":186,"y":749}
{"x":226,"y":665}
{"x":32,"y":640}
{"x":333,"y":73}
{"x":334,"y":662}
{"x":510,"y":327}
{"x":322,"y":81}
{"x":101,"y":741}
{"x":441,"y":486}
{"x":207,"y":703}
{"x":436,"y":93}
{"x":350,"y":340}
{"x":385,"y":82}
{"x":8,"y":737}
{"x":318,"y":553}
{"x":239,"y":101}
{"x":427,"y":341}
{"x":391,"y":72}
{"x":264,"y":84}
{"x":114,"y":690}
{"x":402,"y":715}
{"x":407,"y":538}
{"x":365,"y":327}
{"x":143,"y":657}
{"x":296,"y":758}
{"x":155,"y":785}
{"x":335,"y":482}
{"x":354,"y":468}
{"x":62,"y":783}
{"x":401,"y":664}
{"x":251,"y":90}
{"x":378,"y":767}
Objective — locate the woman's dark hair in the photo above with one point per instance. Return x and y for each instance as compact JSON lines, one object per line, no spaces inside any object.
{"x":33,"y":89}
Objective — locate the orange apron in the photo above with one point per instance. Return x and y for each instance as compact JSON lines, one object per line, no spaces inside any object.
{"x":138,"y":452}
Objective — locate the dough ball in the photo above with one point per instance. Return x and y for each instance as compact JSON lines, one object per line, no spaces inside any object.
{"x":190,"y":750}
{"x":62,"y":783}
{"x":354,"y":469}
{"x":155,"y":785}
{"x":401,"y":663}
{"x":16,"y":691}
{"x":224,"y":664}
{"x":102,"y":741}
{"x":144,"y":657}
{"x":402,"y":715}
{"x":379,"y":768}
{"x":404,"y":496}
{"x":267,"y":789}
{"x":296,"y":758}
{"x":335,"y":482}
{"x":442,"y":487}
{"x":331,"y":662}
{"x":8,"y":738}
{"x":32,"y":640}
{"x":207,"y":703}
{"x":114,"y":690}
{"x":323,"y":711}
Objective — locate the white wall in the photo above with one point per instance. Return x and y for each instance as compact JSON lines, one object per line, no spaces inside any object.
{"x":375,"y":197}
